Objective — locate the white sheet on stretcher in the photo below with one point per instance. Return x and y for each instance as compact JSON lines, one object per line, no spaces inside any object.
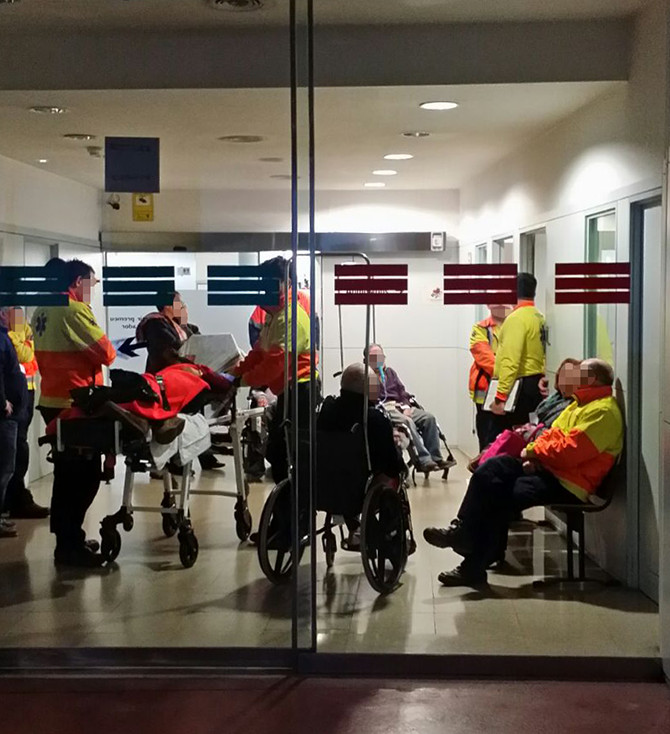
{"x":190,"y":443}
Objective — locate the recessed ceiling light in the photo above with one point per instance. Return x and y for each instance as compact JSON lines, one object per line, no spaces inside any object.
{"x":241,"y":138}
{"x":438,"y":105}
{"x":48,"y":110}
{"x":384,"y":172}
{"x":415,"y":134}
{"x":374,"y":185}
{"x":238,"y":6}
{"x":79,"y":136}
{"x":398,"y":156}
{"x":271,"y":159}
{"x":282,"y":176}
{"x":43,"y":160}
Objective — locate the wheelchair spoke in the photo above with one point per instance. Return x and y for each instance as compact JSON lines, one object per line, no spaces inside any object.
{"x":278,"y":564}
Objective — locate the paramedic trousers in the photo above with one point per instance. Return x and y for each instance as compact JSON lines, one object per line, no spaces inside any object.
{"x":76,"y":482}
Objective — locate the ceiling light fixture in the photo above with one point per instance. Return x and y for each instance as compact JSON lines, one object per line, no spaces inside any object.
{"x":79,"y":136}
{"x":48,"y":110}
{"x":43,"y":160}
{"x":271,"y":159}
{"x":384,"y":172}
{"x":282,"y":176}
{"x":438,"y":105}
{"x":374,"y":185}
{"x":241,"y":138}
{"x":415,"y":134}
{"x":398,"y":156}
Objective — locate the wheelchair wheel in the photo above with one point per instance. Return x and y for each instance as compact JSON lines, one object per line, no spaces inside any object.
{"x":242,"y":520}
{"x":275,"y":548}
{"x":383,"y":538}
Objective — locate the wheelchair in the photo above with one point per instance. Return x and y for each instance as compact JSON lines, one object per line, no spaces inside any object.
{"x":345,"y":488}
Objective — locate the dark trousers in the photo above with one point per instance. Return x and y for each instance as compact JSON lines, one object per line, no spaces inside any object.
{"x":482,"y":426}
{"x":528,"y":400}
{"x":18,"y":495}
{"x":76,"y":482}
{"x":499,"y":490}
{"x":8,"y":433}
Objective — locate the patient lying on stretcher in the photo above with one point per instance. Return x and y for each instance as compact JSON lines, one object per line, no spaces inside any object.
{"x":151,"y":401}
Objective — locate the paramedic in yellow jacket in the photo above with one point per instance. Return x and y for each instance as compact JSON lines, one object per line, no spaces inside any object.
{"x":520,"y":358}
{"x":19,"y":500}
{"x":565,"y":465}
{"x":71,"y":351}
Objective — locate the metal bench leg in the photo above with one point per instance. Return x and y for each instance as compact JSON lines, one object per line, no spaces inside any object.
{"x":571,"y":547}
{"x":582,"y":546}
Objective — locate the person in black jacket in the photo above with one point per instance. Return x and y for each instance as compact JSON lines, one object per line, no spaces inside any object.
{"x":344,"y":412}
{"x":13,"y":403}
{"x":163,"y":332}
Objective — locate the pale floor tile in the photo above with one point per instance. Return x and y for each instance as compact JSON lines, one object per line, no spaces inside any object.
{"x":148,"y":599}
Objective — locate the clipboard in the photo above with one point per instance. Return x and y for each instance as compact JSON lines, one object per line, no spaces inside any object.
{"x":512,"y":398}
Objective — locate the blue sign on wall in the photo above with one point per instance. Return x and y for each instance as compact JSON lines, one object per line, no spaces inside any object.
{"x":132,"y":165}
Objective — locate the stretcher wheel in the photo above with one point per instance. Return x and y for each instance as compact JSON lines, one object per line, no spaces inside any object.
{"x":128,"y":523}
{"x":329,"y":548}
{"x":188,"y":548}
{"x":445,"y":475}
{"x":110,"y":545}
{"x":383,"y":537}
{"x":242,"y":520}
{"x":169,"y":522}
{"x":275,"y":547}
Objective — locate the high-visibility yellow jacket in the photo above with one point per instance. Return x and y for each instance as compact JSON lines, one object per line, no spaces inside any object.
{"x":71,"y":349}
{"x":583,"y":442}
{"x":520,"y":348}
{"x":483,"y":347}
{"x":22,"y":339}
{"x":264,"y":365}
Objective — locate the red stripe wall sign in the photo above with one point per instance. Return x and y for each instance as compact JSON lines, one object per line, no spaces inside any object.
{"x":480,"y":284}
{"x":371,"y":285}
{"x":592,"y":283}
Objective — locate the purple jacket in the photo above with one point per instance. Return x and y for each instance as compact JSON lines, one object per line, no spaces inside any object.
{"x":392,"y":387}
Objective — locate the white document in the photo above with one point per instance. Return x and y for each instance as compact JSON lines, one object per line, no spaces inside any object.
{"x":512,"y":398}
{"x":219,"y":352}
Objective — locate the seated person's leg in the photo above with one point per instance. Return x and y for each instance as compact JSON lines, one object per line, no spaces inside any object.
{"x":482,"y":519}
{"x":423,"y":455}
{"x":427,"y":427}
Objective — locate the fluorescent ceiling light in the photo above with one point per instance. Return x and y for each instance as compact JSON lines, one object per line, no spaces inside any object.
{"x":79,"y":136}
{"x":398,"y":156}
{"x":438,"y":105}
{"x":415,"y":134}
{"x":374,"y":185}
{"x":48,"y":110}
{"x":384,"y":172}
{"x":43,"y":160}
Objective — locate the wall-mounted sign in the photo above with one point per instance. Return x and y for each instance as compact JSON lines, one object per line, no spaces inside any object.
{"x":143,"y":207}
{"x":437,"y":240}
{"x":132,"y":164}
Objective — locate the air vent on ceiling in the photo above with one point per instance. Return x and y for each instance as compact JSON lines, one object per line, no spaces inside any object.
{"x":238,"y":6}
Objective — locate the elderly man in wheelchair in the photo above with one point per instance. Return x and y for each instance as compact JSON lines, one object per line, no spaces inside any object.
{"x":410,"y":419}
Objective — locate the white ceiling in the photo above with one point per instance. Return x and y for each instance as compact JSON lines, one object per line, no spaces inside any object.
{"x":355,"y":128}
{"x":30,"y":15}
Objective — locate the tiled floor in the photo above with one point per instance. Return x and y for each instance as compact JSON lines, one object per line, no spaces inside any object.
{"x":293,"y":705}
{"x":148,"y":599}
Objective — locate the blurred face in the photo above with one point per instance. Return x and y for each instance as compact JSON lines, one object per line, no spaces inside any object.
{"x":17,"y":319}
{"x":83,"y":287}
{"x":377,"y":357}
{"x":499,"y":313}
{"x":569,"y":379}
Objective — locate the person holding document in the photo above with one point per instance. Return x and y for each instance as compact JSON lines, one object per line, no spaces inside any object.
{"x":515,"y":391}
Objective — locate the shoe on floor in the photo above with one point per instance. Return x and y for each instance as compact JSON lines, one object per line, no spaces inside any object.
{"x":31,"y":511}
{"x":80,"y":558}
{"x":211,"y":463}
{"x":447,"y":463}
{"x":459,"y":577}
{"x":429,"y":466}
{"x":451,"y":537}
{"x":7,"y":529}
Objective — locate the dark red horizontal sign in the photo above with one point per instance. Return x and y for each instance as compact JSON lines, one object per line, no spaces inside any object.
{"x":480,"y":284}
{"x":371,"y":285}
{"x":592,"y":283}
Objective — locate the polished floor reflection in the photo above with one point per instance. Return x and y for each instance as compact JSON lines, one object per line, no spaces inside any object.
{"x":147,"y":599}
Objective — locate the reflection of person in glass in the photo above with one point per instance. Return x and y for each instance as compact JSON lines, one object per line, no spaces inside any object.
{"x":604,"y":349}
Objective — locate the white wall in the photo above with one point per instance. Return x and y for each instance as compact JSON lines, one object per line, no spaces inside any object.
{"x":604,"y":156}
{"x":270,"y":211}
